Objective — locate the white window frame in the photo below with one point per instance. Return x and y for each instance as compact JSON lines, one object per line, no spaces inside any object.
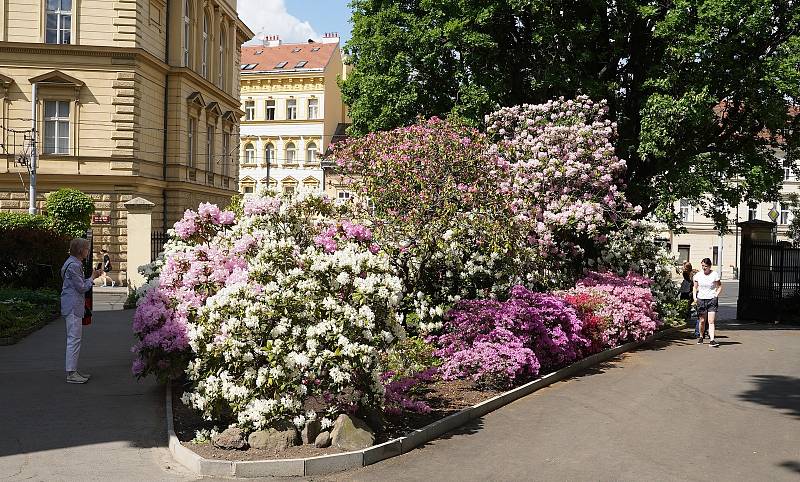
{"x":291,"y":153}
{"x":221,"y":62}
{"x":192,"y":131}
{"x":752,"y":212}
{"x":210,"y":148}
{"x":291,"y":109}
{"x":784,"y":213}
{"x":311,"y":152}
{"x":60,"y":17}
{"x":343,"y":197}
{"x":60,"y":127}
{"x":249,"y":153}
{"x":187,"y":33}
{"x":685,"y":210}
{"x":204,"y":60}
{"x":269,"y":154}
{"x":249,"y":110}
{"x":313,"y":109}
{"x":270,"y":108}
{"x":226,"y":157}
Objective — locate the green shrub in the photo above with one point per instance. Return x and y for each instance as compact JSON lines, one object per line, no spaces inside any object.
{"x":24,"y":220}
{"x":71,"y":211}
{"x":409,"y":357}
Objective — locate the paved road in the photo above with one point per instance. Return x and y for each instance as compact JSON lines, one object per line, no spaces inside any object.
{"x":676,"y":411}
{"x":109,"y":429}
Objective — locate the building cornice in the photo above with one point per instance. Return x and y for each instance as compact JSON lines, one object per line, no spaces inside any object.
{"x":208,"y":86}
{"x":84,"y":50}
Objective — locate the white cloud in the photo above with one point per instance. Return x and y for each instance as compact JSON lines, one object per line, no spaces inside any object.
{"x":270,"y":17}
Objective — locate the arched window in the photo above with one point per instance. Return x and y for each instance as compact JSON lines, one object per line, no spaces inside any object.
{"x":249,"y":154}
{"x":187,"y":32}
{"x":269,"y":153}
{"x":291,"y":153}
{"x":221,"y":60}
{"x":204,"y":66}
{"x":311,"y":152}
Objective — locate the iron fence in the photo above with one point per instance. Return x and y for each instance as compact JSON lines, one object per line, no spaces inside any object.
{"x":769,"y":282}
{"x":157,"y":241}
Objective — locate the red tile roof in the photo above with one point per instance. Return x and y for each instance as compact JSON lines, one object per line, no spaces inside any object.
{"x":268,"y":58}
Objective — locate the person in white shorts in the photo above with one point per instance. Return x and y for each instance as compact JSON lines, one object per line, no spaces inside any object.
{"x":707,"y":287}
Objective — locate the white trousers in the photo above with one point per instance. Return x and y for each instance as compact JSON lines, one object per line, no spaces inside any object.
{"x":74,"y":332}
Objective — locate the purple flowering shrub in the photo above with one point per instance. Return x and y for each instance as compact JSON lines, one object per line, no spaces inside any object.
{"x":498,"y":343}
{"x":193,"y":270}
{"x":401,"y":393}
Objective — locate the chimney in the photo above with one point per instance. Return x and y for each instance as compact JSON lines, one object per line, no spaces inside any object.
{"x":271,"y":40}
{"x":330,"y":38}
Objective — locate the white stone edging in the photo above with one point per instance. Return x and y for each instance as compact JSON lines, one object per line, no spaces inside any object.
{"x":327,"y":464}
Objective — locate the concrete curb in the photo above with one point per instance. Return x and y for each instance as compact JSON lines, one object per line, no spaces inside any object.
{"x":349,"y":460}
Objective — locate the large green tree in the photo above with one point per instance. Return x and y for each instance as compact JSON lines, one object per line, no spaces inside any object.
{"x":701,"y":89}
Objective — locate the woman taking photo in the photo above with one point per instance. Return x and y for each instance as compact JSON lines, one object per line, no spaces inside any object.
{"x":707,"y":287}
{"x":72,"y":304}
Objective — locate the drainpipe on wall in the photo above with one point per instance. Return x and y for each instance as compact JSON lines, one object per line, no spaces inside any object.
{"x":34,"y":154}
{"x":166,"y":120}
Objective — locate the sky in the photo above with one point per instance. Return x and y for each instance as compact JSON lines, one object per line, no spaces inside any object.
{"x":296,"y":20}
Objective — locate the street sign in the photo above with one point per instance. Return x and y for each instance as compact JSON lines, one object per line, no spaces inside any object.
{"x":773,"y":214}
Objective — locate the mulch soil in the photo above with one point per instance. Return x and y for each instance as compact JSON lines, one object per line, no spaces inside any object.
{"x":444,"y":397}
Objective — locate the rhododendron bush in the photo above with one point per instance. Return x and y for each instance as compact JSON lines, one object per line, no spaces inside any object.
{"x":286,"y":305}
{"x":564,"y":178}
{"x":496,"y":343}
{"x":500,"y":343}
{"x":508,"y":253}
{"x":437,"y":211}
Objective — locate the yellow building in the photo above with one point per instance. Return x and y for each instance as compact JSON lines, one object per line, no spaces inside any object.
{"x":133,"y":98}
{"x":292,"y":110}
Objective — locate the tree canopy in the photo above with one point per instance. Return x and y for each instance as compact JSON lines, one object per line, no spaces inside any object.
{"x":702,"y":90}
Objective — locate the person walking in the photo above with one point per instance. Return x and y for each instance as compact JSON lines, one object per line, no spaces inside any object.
{"x":707,"y":287}
{"x":74,"y":287}
{"x":686,"y":290}
{"x":106,"y":267}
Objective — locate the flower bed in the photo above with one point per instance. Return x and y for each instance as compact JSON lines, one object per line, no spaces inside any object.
{"x":481,"y":261}
{"x":24,"y":311}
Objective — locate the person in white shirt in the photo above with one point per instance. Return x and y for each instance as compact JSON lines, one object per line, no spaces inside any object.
{"x":707,"y":287}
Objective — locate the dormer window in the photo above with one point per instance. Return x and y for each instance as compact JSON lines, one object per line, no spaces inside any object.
{"x":315,"y":49}
{"x":301,"y":64}
{"x":295,"y":50}
{"x":281,"y":65}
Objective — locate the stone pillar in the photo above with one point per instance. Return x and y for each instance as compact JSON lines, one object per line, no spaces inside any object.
{"x":140,"y":227}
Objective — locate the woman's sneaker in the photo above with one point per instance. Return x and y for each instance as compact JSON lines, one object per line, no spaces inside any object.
{"x":700,"y":340}
{"x":713,"y":343}
{"x":75,"y":377}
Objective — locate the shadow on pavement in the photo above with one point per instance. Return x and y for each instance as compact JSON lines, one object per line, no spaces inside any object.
{"x":777,"y":391}
{"x":791,"y":465}
{"x":735,"y":325}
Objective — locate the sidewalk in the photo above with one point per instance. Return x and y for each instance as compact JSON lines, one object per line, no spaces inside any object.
{"x":674,"y":411}
{"x":112,"y":428}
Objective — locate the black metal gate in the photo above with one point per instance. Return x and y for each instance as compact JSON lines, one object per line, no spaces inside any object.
{"x":157,"y":241}
{"x":769,"y":283}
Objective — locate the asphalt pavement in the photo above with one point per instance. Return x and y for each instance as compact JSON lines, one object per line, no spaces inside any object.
{"x":673,"y":410}
{"x":111,"y":428}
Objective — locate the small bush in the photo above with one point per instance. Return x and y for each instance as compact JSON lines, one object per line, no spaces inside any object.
{"x":24,"y":220}
{"x":71,"y":211}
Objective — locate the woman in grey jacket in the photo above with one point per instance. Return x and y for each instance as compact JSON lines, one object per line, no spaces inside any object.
{"x":72,"y":304}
